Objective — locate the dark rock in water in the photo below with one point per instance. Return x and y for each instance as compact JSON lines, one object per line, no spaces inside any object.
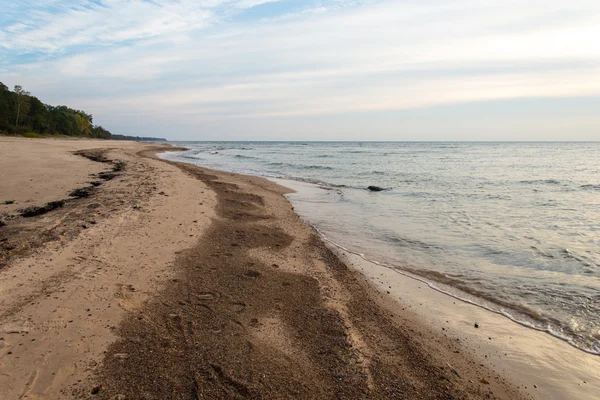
{"x":375,"y":188}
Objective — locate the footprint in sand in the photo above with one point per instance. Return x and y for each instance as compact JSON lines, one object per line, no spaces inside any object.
{"x":125,"y":295}
{"x":207,"y":296}
{"x":53,"y":325}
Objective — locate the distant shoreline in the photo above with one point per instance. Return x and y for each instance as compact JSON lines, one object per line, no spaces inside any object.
{"x":33,"y":135}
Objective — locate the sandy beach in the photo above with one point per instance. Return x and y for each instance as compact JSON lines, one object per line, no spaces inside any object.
{"x":161,"y":280}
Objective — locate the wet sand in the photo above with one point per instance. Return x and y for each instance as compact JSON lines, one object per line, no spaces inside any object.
{"x":193,"y":284}
{"x":541,"y":365}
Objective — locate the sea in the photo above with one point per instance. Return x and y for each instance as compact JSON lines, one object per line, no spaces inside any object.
{"x":511,"y":227}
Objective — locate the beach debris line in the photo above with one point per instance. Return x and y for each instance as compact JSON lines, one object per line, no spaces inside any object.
{"x":107,"y":176}
{"x":82,"y":191}
{"x":94,"y":155}
{"x":34,"y":211}
{"x":118,"y":165}
{"x":97,"y":155}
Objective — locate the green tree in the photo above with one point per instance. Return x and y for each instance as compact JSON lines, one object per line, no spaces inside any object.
{"x":22,"y":99}
{"x":5,"y":102}
{"x":20,"y":108}
{"x":83,"y":124}
{"x":38,"y":115}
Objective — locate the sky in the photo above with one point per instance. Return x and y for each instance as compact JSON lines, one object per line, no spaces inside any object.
{"x":313,"y":69}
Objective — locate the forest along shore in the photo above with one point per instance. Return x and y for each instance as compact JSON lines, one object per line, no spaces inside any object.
{"x":172,"y":281}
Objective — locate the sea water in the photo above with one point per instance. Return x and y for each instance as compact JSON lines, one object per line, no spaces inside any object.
{"x":512,"y":227}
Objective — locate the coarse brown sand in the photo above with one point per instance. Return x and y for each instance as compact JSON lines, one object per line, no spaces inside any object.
{"x":202,"y":284}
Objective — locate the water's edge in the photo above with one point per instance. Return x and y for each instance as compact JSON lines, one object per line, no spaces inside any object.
{"x":452,"y":291}
{"x":432,"y":286}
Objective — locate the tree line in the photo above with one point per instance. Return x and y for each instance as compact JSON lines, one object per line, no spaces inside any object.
{"x":22,"y":114}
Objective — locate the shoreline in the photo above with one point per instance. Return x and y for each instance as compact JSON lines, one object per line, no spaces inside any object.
{"x":529,"y":356}
{"x":544,"y":366}
{"x":233,"y":296}
{"x":531,"y":349}
{"x":514,"y":312}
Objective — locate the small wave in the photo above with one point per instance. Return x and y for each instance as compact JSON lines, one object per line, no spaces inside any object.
{"x":324,"y":156}
{"x":246,"y":157}
{"x":417,"y":194}
{"x":296,"y":166}
{"x":567,"y":254}
{"x":590,"y":187}
{"x":321,"y":167}
{"x":497,"y":197}
{"x":317,"y":182}
{"x":542,"y":253}
{"x":367,"y":173}
{"x":547,"y":204}
{"x":405,"y":242}
{"x":321,"y":184}
{"x":540,"y":182}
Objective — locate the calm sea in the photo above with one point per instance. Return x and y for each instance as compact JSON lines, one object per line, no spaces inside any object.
{"x":513,"y":227}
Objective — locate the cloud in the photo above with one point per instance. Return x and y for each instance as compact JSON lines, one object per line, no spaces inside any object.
{"x":192,"y":62}
{"x":59,"y":25}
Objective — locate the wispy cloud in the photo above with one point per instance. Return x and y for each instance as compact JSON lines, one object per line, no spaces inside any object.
{"x":60,"y":24}
{"x":198,"y":62}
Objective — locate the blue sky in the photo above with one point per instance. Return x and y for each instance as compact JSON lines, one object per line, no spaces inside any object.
{"x":310,"y":70}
